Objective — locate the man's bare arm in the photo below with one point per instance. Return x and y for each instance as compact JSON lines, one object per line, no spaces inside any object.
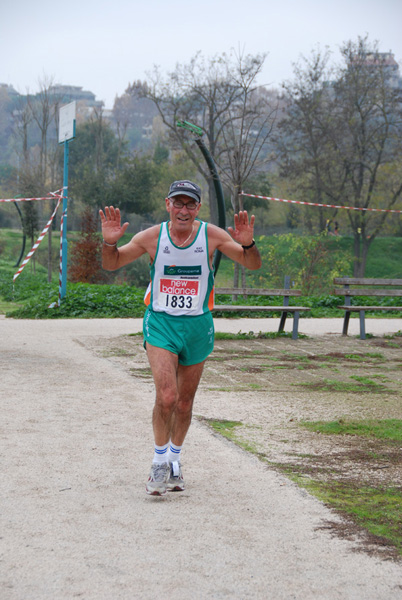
{"x":114,"y":258}
{"x":235,"y":247}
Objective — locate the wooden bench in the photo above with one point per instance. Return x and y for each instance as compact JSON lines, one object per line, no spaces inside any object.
{"x":391,"y":287}
{"x":284,"y":309}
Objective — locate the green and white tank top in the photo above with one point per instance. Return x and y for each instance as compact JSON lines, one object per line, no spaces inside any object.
{"x":182,"y":281}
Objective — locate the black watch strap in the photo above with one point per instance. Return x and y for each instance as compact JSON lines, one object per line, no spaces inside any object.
{"x":250,"y":246}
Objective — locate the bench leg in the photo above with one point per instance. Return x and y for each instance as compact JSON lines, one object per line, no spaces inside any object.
{"x":346,"y":323}
{"x":295,"y":325}
{"x":282,"y":321}
{"x":362,"y":325}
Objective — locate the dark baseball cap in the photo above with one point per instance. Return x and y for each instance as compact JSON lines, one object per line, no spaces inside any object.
{"x":185,"y":187}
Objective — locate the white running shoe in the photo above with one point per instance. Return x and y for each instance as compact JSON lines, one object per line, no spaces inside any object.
{"x":175,"y":482}
{"x":158,"y":478}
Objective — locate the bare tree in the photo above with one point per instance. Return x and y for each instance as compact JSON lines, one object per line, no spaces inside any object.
{"x":22,"y":116}
{"x":205,"y":92}
{"x":37,"y":118}
{"x":343,"y":138}
{"x":249,"y":122}
{"x":302,"y":136}
{"x":247,"y":129}
{"x":41,"y":107}
{"x":367,"y":135}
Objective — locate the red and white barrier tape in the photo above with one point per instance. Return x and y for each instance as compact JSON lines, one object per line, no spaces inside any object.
{"x":38,"y":241}
{"x":388,"y":210}
{"x":54,"y":304}
{"x":50,"y":196}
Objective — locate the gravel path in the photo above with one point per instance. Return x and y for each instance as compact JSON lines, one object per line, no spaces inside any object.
{"x":76,"y":445}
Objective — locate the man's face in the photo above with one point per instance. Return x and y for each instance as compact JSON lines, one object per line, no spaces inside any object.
{"x":182,"y":209}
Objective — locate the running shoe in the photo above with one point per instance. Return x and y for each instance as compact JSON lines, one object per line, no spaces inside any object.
{"x":176,"y":481}
{"x":158,"y":479}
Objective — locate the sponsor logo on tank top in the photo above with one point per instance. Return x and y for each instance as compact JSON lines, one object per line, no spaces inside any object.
{"x":182,"y":270}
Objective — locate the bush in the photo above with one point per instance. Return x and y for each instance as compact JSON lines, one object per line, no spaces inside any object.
{"x":86,"y":253}
{"x":314,"y":265}
{"x":84,"y":300}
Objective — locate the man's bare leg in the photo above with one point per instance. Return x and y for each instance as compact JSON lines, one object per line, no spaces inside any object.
{"x":175,"y":387}
{"x":188,"y":378}
{"x":164,"y":367}
{"x":164,"y":371}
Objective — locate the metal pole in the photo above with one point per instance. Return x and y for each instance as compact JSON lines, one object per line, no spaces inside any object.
{"x":17,"y":264}
{"x":217,"y":182}
{"x":219,"y":196}
{"x":63,"y":286}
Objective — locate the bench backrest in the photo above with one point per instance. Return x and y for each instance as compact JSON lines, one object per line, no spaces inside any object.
{"x":365,"y":281}
{"x":256,"y":292}
{"x":373,"y":291}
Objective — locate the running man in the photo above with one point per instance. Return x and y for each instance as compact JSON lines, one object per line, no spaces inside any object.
{"x":178,"y":326}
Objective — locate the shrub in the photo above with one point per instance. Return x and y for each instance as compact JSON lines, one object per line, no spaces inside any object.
{"x":309,"y":261}
{"x":86,"y":254}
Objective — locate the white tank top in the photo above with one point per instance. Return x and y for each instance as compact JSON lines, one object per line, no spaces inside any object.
{"x":182,"y":281}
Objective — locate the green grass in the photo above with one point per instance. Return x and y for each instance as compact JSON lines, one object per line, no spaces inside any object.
{"x":377,"y":509}
{"x":267,"y":335}
{"x":384,"y":259}
{"x":224,"y":427}
{"x":365,"y":356}
{"x":228,"y":429}
{"x":363,"y":384}
{"x":386,"y":429}
{"x":392,"y":336}
{"x":6,"y":307}
{"x":31,"y":293}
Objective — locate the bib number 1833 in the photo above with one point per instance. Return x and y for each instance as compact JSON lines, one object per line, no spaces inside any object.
{"x":173,"y":301}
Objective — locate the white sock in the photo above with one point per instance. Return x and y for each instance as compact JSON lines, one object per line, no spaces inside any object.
{"x":160,"y":454}
{"x":174,"y":452}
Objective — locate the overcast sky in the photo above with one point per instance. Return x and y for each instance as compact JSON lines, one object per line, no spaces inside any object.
{"x":105,"y":45}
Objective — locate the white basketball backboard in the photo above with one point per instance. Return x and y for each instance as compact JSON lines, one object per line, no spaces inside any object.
{"x":67,"y":122}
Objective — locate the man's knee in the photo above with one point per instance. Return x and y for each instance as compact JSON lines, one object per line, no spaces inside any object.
{"x":166,"y":401}
{"x":184,"y":406}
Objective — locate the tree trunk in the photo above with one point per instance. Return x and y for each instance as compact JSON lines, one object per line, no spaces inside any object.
{"x":243,"y":276}
{"x":356,"y":255}
{"x":33,"y":263}
{"x":49,"y":255}
{"x":361,"y":249}
{"x":365,"y":250}
{"x":236,"y":275}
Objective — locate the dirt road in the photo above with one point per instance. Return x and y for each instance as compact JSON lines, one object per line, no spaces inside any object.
{"x":75,"y":520}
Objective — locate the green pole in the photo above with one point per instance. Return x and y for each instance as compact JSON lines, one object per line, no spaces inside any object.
{"x":217,"y":182}
{"x":24,"y":237}
{"x":63,"y":280}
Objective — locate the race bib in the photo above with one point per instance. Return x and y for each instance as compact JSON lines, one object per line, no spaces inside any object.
{"x":180,"y":294}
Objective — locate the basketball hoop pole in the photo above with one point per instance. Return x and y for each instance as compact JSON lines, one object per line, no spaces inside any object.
{"x":66,"y":133}
{"x":63,"y":282}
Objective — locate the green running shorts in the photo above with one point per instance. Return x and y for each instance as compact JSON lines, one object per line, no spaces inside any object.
{"x":191,"y":338}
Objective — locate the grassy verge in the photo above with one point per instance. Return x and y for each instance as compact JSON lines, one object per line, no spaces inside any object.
{"x":30,"y":291}
{"x":251,"y":335}
{"x":385,"y":429}
{"x":31,"y":294}
{"x":359,"y":385}
{"x":376,"y":508}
